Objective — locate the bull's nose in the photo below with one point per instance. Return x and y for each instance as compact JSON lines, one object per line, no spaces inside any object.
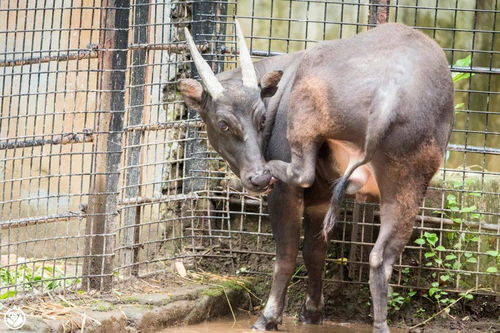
{"x":261,"y":179}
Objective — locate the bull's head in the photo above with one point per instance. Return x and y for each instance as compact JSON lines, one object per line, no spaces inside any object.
{"x":234,"y":113}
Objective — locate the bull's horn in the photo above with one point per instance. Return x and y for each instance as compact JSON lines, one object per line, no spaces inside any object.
{"x":214,"y":88}
{"x":247,"y":70}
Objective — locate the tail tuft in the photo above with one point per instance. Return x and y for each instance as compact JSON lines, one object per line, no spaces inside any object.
{"x":335,"y":202}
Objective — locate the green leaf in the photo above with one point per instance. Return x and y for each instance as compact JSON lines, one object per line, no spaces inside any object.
{"x":451,"y":257}
{"x":464,"y":62}
{"x":8,"y":294}
{"x":459,"y":106}
{"x":472,"y":260}
{"x":420,"y":241}
{"x":432,"y":238}
{"x":468,"y":254}
{"x":429,"y":254}
{"x":435,"y":284}
{"x":458,"y":76}
{"x":438,"y":261}
{"x":492,"y":253}
{"x":468,"y":209}
{"x":491,"y":269}
{"x":440,"y":248}
{"x":467,"y":296}
{"x":433,"y":290}
{"x":451,"y":198}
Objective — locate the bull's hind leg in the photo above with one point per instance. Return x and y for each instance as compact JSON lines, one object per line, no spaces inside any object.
{"x":301,"y":171}
{"x":310,"y":121}
{"x":402,"y":181}
{"x":395,"y":230}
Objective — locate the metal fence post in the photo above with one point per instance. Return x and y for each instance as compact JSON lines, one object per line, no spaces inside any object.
{"x":102,"y":208}
{"x":138,"y":74}
{"x":202,"y":26}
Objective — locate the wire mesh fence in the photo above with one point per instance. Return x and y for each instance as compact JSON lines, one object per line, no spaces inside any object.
{"x":105,"y":174}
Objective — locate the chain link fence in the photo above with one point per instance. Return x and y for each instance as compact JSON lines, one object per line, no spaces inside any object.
{"x":104,"y":173}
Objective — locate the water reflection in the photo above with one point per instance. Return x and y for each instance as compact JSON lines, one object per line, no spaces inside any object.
{"x":243,"y":324}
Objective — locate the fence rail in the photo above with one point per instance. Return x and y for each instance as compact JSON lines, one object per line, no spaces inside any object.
{"x":104,"y":174}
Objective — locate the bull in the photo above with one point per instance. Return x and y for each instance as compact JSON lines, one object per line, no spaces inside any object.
{"x":371,"y":114}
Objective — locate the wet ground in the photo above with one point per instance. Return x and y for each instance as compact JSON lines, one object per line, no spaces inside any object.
{"x":243,"y":325}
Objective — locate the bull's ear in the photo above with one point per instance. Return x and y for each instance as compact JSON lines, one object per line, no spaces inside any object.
{"x":269,"y":83}
{"x":192,"y":93}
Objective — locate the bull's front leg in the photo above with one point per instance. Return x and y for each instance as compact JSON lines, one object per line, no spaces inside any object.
{"x":301,"y":170}
{"x":286,"y":206}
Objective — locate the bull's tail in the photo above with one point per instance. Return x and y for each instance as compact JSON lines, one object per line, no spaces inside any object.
{"x":382,"y":114}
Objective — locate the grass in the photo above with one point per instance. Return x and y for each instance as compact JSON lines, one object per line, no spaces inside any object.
{"x":33,"y":277}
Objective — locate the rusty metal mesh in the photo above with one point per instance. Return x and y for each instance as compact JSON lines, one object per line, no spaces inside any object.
{"x":75,"y":217}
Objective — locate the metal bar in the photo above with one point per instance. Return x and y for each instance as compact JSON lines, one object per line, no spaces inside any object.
{"x":103,"y":201}
{"x":474,"y":149}
{"x":199,"y":29}
{"x":175,"y":48}
{"x":156,"y":199}
{"x":27,"y":221}
{"x":163,"y":126}
{"x":62,"y":139}
{"x":138,"y":74}
{"x":91,"y":53}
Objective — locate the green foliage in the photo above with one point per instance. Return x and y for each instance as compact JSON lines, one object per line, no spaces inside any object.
{"x":457,"y":250}
{"x":397,"y":301}
{"x":459,"y":76}
{"x":29,"y":277}
{"x":464,"y":62}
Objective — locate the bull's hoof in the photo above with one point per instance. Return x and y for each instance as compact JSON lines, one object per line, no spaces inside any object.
{"x":381,"y":327}
{"x":264,"y":324}
{"x":310,"y":316}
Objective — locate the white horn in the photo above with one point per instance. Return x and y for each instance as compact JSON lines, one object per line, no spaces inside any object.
{"x":247,"y":70}
{"x":215,"y":89}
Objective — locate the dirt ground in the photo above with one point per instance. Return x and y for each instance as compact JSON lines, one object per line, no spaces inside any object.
{"x":352,"y":304}
{"x":166,"y":300}
{"x":138,"y":305}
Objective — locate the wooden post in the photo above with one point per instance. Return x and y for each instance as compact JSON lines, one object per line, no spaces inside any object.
{"x":102,"y":207}
{"x":138,"y":74}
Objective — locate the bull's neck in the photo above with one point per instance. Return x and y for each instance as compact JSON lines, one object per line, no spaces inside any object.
{"x":288,"y":64}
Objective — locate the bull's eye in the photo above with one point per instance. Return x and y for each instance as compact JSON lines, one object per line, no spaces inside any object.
{"x":223,"y":125}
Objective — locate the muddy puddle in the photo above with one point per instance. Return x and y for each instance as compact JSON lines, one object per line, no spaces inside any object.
{"x":243,"y":325}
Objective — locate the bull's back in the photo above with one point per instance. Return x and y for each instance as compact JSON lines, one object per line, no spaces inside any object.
{"x":347,"y":74}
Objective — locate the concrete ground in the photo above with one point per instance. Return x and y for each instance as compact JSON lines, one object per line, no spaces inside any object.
{"x":141,"y":305}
